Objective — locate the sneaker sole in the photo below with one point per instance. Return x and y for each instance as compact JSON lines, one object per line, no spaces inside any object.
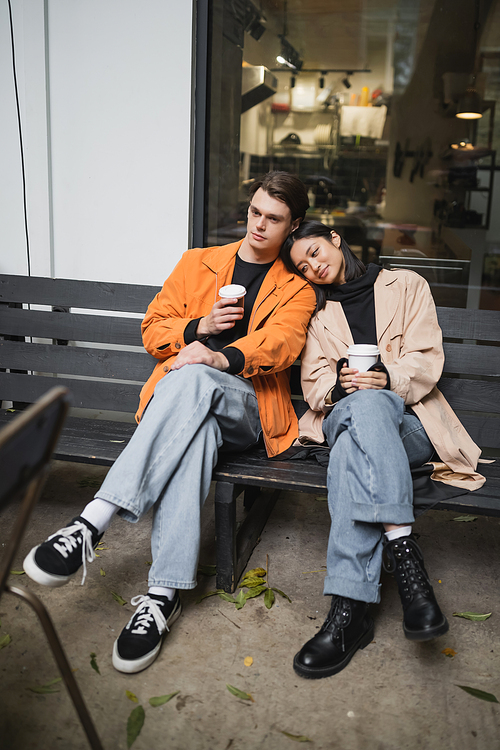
{"x":429,"y":634}
{"x":317,"y":674}
{"x":129,"y":666}
{"x":41,"y":576}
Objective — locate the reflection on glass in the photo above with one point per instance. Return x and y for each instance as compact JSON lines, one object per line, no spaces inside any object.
{"x":369,"y":124}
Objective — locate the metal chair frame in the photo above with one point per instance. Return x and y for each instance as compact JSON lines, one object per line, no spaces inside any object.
{"x":26,"y":446}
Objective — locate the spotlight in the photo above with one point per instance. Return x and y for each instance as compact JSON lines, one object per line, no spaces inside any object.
{"x":289,"y":55}
{"x":346,"y":82}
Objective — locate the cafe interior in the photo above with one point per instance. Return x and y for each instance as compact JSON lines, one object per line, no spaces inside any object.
{"x":386,"y":111}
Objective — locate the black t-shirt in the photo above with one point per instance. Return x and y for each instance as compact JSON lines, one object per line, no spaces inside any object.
{"x":251,"y":276}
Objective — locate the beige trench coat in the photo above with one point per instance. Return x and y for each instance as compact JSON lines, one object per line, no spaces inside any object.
{"x":411,"y":348}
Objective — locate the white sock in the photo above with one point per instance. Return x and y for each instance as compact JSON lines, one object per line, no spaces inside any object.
{"x":162,"y":591}
{"x":100,"y":513}
{"x":398,"y":533}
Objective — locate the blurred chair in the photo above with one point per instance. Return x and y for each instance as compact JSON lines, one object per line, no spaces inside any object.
{"x":26,"y":445}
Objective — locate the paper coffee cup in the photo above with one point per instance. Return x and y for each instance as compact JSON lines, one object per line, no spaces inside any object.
{"x":362,"y":356}
{"x":233,"y":291}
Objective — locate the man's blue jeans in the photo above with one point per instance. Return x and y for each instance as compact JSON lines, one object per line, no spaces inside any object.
{"x":168,"y":463}
{"x":374,"y":443}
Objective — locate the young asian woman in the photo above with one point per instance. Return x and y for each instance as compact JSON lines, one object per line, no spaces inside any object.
{"x":379,"y":425}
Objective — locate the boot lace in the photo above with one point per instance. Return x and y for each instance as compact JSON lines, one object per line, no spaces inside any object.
{"x":405,"y":561}
{"x":72,"y":536}
{"x":148,"y":611}
{"x":337,"y":619}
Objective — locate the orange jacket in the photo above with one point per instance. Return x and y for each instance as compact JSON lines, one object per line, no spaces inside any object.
{"x":275,"y":338}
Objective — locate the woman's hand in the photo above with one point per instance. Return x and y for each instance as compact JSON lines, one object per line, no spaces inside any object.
{"x":352,"y":380}
{"x":222,"y":316}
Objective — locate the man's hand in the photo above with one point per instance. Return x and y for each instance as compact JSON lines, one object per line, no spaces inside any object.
{"x":223,"y":315}
{"x":352,"y":380}
{"x":198,"y":354}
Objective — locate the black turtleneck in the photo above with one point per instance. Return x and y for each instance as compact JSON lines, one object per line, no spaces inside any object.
{"x":358,"y":303}
{"x":357,"y":298}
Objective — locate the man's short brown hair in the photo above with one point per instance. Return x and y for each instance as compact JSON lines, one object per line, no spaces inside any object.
{"x":284,"y":187}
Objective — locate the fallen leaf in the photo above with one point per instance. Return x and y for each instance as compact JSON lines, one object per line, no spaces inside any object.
{"x":117,"y":441}
{"x":47,"y":688}
{"x":207,"y":570}
{"x":93,"y":662}
{"x":474,"y":616}
{"x":161,"y":699}
{"x":321,"y":498}
{"x":131,"y":696}
{"x":465,"y":519}
{"x":204,"y":596}
{"x":103,"y":572}
{"x":449,"y":652}
{"x":118,"y":598}
{"x":10,"y":411}
{"x":227,"y":597}
{"x":240,"y":693}
{"x":296,"y":737}
{"x":240,"y":599}
{"x":148,"y":562}
{"x":134,"y":725}
{"x":269,"y":598}
{"x":248,"y":661}
{"x":281,"y":593}
{"x":5,"y":641}
{"x":252,"y":593}
{"x":479,"y":693}
{"x":89,"y":482}
{"x":250,"y":583}
{"x":17,"y":572}
{"x":254,"y":572}
{"x":312,"y":571}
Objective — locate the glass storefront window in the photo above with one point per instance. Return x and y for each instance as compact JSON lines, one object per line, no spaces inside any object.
{"x":367,"y":119}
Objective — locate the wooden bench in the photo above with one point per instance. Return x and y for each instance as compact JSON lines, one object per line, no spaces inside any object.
{"x":86,"y":335}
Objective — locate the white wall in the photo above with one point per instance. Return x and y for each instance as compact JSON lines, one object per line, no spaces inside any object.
{"x":107,"y":137}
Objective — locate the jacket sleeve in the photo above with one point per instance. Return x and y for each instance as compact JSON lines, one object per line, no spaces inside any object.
{"x":419,"y":358}
{"x":279,"y":341}
{"x":165,"y":320}
{"x":317,"y":372}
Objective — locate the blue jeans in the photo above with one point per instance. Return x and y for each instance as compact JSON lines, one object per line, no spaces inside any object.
{"x":168,"y":463}
{"x":374,"y":443}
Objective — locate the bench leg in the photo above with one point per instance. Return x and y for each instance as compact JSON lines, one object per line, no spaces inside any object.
{"x":225,"y":535}
{"x":233,"y":549}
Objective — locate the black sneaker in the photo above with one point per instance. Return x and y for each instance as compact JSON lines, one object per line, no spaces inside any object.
{"x":140,"y":640}
{"x":55,"y":561}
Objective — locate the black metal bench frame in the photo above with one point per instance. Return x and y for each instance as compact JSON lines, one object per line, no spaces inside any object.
{"x":37,"y":347}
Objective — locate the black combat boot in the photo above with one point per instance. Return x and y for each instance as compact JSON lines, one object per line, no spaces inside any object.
{"x":422,"y":618}
{"x":347,"y":627}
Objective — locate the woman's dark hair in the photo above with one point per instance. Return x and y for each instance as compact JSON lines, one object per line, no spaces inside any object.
{"x":307,"y":230}
{"x":285,"y":187}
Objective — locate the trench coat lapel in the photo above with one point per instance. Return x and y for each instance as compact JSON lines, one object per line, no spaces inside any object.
{"x":387,"y":294}
{"x":336,"y":323}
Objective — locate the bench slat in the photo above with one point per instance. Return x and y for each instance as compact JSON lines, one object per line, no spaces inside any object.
{"x":104,"y":329}
{"x":471,"y":395}
{"x":96,"y":295}
{"x":472,"y":359}
{"x":76,"y":360}
{"x":460,"y":323}
{"x":91,"y":394}
{"x":485,"y":431}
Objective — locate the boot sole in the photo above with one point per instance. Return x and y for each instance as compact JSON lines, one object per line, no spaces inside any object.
{"x":41,"y":576}
{"x":429,"y":633}
{"x":130,"y":666}
{"x":316,"y":674}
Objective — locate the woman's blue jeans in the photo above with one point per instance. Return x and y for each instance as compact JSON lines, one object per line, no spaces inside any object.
{"x":168,"y":463}
{"x":374,"y":443}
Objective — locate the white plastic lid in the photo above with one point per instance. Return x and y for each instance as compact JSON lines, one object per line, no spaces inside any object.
{"x":363,"y":350}
{"x":232,"y":291}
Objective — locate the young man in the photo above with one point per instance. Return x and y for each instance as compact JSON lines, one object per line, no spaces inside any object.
{"x":220,"y":382}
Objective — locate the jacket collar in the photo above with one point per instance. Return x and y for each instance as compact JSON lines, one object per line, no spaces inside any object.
{"x":220,"y":257}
